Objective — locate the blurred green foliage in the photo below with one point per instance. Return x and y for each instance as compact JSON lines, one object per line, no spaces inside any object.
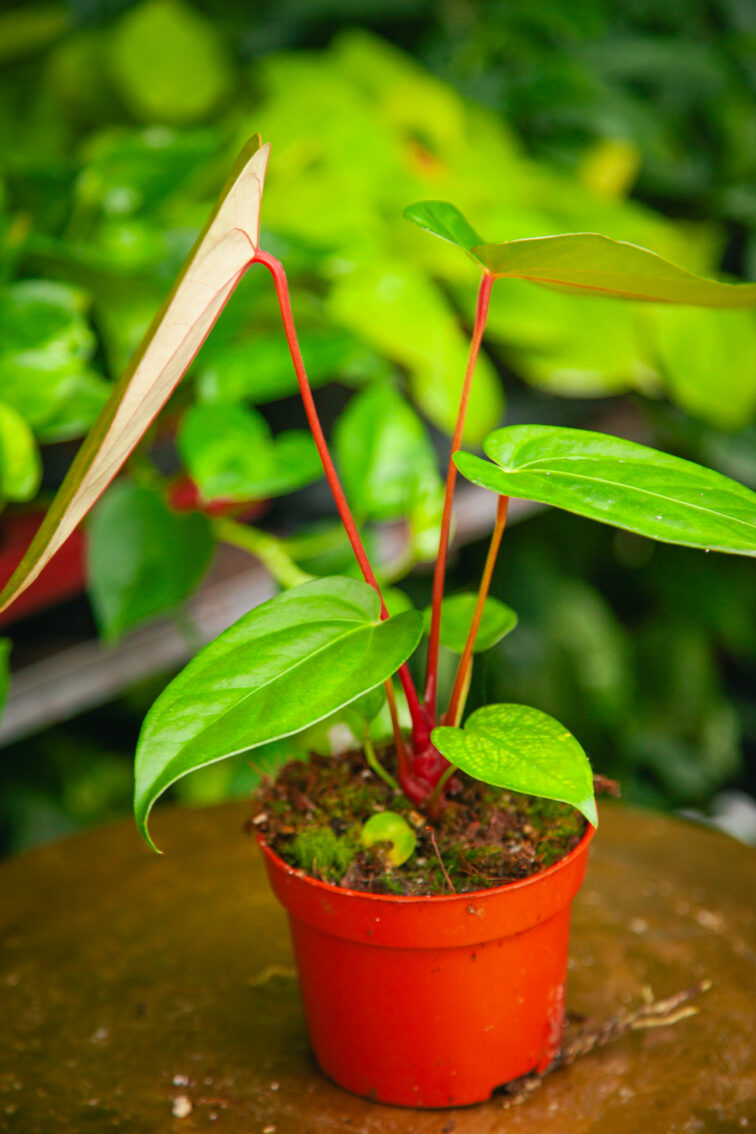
{"x":118,"y":122}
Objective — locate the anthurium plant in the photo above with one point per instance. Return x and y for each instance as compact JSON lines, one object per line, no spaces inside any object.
{"x":337,"y":643}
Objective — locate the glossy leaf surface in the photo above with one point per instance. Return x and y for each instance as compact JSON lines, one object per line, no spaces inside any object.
{"x":522,"y":749}
{"x":584,"y":262}
{"x":618,"y":482}
{"x":143,"y":558}
{"x":287,"y":664}
{"x":221,"y":255}
{"x":456,"y":615}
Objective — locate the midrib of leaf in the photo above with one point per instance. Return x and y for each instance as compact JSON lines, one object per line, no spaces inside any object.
{"x":645,"y":491}
{"x":283,"y":673}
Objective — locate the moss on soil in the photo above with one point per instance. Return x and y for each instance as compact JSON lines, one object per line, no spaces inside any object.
{"x":312,"y":815}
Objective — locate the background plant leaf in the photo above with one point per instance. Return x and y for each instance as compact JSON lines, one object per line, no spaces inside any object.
{"x":230,"y":454}
{"x":522,"y":749}
{"x":446,"y":221}
{"x":618,"y":482}
{"x":210,"y":274}
{"x":287,"y":664}
{"x":143,"y":558}
{"x":20,"y":464}
{"x":456,"y":615}
{"x":387,"y":462}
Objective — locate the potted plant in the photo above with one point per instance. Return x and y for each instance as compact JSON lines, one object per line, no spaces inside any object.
{"x":414,"y":996}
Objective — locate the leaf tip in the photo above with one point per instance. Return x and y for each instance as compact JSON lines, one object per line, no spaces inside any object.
{"x":587,"y":807}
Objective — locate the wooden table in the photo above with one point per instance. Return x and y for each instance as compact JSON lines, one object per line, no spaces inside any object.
{"x":134,"y":987}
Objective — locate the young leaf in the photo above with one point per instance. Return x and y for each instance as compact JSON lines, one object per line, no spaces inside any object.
{"x":585,"y":262}
{"x":144,"y":559}
{"x":222,"y":253}
{"x":522,"y":749}
{"x":385,"y":455}
{"x":618,"y":482}
{"x":446,"y":221}
{"x":287,"y":664}
{"x":456,"y":615}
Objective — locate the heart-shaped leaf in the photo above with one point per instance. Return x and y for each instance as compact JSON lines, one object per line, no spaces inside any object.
{"x":522,"y":749}
{"x":212,"y":270}
{"x":456,"y":615}
{"x":143,"y":558}
{"x":584,"y":262}
{"x":618,"y":482}
{"x":288,"y":663}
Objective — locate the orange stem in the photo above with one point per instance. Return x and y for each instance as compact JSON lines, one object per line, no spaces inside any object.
{"x":461,"y":681}
{"x":434,"y":634}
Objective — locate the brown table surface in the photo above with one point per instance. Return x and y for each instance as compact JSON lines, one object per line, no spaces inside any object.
{"x":128,"y":980}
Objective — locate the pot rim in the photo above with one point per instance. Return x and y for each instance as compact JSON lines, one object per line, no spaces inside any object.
{"x":410,"y":899}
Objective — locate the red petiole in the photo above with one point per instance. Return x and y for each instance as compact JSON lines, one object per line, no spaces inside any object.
{"x":420,"y":771}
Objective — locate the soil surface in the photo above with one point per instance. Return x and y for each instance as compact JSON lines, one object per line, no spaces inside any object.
{"x":312,"y":816}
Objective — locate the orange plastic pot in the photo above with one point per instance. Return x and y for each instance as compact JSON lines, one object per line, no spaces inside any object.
{"x":432,"y":1002}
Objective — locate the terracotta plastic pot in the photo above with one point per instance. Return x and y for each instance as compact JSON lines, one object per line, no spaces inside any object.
{"x":432,"y":1002}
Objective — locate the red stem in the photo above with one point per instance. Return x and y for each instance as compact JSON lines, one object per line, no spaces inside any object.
{"x":431,"y":679}
{"x":420,"y":729}
{"x":460,"y":681}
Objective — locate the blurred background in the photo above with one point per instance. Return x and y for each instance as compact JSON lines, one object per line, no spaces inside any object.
{"x":119,"y":122}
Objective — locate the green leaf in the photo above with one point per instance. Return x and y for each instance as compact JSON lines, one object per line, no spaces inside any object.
{"x":227,"y":451}
{"x":169,"y":62}
{"x":395,"y":307}
{"x":385,"y":455}
{"x":287,"y":664}
{"x":368,"y":706}
{"x":618,"y":482}
{"x":212,"y":270}
{"x":522,"y":749}
{"x":45,"y":345}
{"x":445,"y":220}
{"x":296,"y":463}
{"x":20,"y":464}
{"x":230,"y":454}
{"x":587,"y":262}
{"x":260,"y":369}
{"x":709,"y":361}
{"x":456,"y":615}
{"x":130,"y":171}
{"x":584,"y":262}
{"x":80,"y":399}
{"x":388,"y":827}
{"x":144,"y":559}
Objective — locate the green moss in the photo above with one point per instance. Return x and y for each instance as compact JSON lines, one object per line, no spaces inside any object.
{"x":322,"y":853}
